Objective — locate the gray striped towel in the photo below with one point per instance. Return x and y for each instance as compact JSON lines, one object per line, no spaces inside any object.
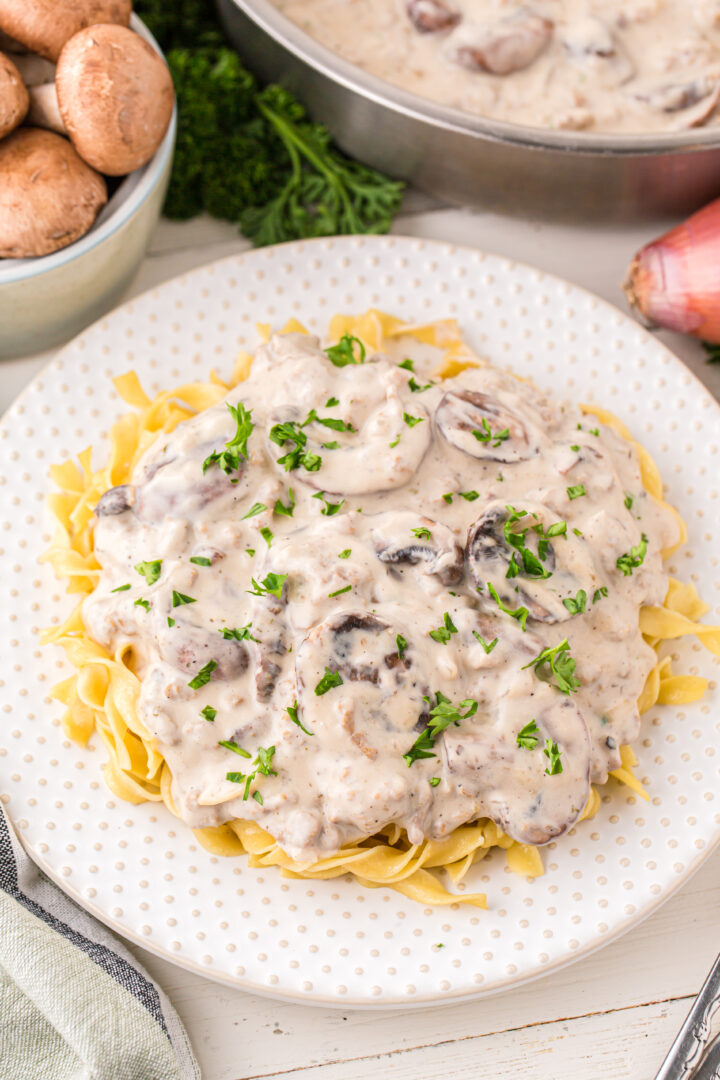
{"x":74,"y":1003}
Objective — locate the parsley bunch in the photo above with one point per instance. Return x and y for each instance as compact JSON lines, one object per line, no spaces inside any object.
{"x":250,"y":155}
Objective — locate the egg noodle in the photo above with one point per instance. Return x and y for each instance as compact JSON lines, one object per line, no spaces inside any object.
{"x":102,"y":695}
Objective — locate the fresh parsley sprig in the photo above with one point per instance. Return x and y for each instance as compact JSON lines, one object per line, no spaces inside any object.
{"x":634,"y":558}
{"x":229,"y":459}
{"x":271,"y":584}
{"x":562,"y":666}
{"x":519,"y":613}
{"x":292,"y":711}
{"x":442,"y":715}
{"x":329,"y":680}
{"x":486,"y":435}
{"x":344,"y":352}
{"x":445,"y":632}
{"x":149,"y":570}
{"x":527,"y":737}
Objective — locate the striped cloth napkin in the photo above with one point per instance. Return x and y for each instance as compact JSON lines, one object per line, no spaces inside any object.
{"x":74,"y":1003}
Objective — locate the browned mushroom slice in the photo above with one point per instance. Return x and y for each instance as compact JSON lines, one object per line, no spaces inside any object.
{"x":49,"y":197}
{"x":14,"y":98}
{"x":116,"y":501}
{"x":481,"y":425}
{"x":116,"y":97}
{"x":513,"y":782}
{"x":187,"y":647}
{"x":431,"y":16}
{"x":590,"y":43}
{"x":693,"y":102}
{"x":270,"y":648}
{"x":176,"y":485}
{"x":354,"y":682}
{"x":43,"y":26}
{"x":504,"y":47}
{"x":435,"y":550}
{"x":509,"y":549}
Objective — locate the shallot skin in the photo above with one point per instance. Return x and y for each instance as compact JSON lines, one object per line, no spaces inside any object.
{"x":674,"y":282}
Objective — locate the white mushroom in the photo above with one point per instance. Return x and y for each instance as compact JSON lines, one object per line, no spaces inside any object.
{"x":14,"y":100}
{"x":503,"y":47}
{"x":44,"y":26}
{"x":431,"y":16}
{"x":49,"y":197}
{"x":115,"y":96}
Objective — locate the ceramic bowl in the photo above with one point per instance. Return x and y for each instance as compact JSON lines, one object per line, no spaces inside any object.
{"x":47,"y":300}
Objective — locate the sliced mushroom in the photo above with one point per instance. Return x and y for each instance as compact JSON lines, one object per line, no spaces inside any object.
{"x":49,"y":197}
{"x":590,"y":43}
{"x":381,"y":694}
{"x":384,"y":454}
{"x":395,"y":542}
{"x":269,"y":627}
{"x":509,"y":780}
{"x":43,"y":26}
{"x":693,"y":101}
{"x":187,"y":647}
{"x":116,"y":501}
{"x":431,"y":16}
{"x":482,"y":426}
{"x":501,"y":48}
{"x":494,"y":555}
{"x":14,"y":99}
{"x":116,"y":97}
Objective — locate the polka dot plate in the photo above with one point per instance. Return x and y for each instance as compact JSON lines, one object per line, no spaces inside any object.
{"x":140,"y":870}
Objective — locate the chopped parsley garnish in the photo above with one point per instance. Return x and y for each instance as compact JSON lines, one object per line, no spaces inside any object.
{"x":331,"y":402}
{"x":330,"y":445}
{"x":444,"y":633}
{"x":575,"y":447}
{"x":519,"y":613}
{"x":434,"y":781}
{"x":237,"y":633}
{"x":327,"y":421}
{"x":339,"y":592}
{"x":442,"y":715}
{"x":343,"y":353}
{"x":271,"y":584}
{"x":394,"y":443}
{"x":409,"y":365}
{"x":422,"y":533}
{"x":595,"y":431}
{"x":523,"y":560}
{"x":577,"y":532}
{"x":599,"y":593}
{"x":229,"y":459}
{"x":290,"y":432}
{"x":200,"y":560}
{"x":178,"y":599}
{"x":628,"y":502}
{"x":401,"y":646}
{"x":255,"y":509}
{"x":121,"y":588}
{"x":576,"y":491}
{"x":250,"y":552}
{"x":487,"y":647}
{"x":486,"y":435}
{"x":262,"y":765}
{"x":561,"y":665}
{"x":552,"y":753}
{"x":257,"y":797}
{"x":235,"y":777}
{"x":416,"y":388}
{"x":281,"y":508}
{"x":526,"y":737}
{"x":329,"y":680}
{"x":203,"y":676}
{"x":149,"y":570}
{"x":142,"y":603}
{"x":634,"y":558}
{"x":448,"y":497}
{"x":576,"y":605}
{"x":411,"y":421}
{"x":170,"y":622}
{"x":267,"y":535}
{"x":469,"y":496}
{"x":208,"y":713}
{"x":292,"y":711}
{"x":345,"y":554}
{"x":230,"y":745}
{"x":329,"y":509}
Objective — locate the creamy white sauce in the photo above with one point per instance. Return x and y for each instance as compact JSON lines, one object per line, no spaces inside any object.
{"x":602,"y":65}
{"x":348,"y":778}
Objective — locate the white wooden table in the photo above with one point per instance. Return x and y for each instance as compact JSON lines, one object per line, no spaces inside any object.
{"x":611,"y":1016}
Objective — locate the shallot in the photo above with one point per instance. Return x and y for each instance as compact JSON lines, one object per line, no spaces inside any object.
{"x":674,"y":282}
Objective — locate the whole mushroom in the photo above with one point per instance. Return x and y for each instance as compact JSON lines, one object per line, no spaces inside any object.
{"x":49,"y":197}
{"x":14,"y":98}
{"x":43,"y":26}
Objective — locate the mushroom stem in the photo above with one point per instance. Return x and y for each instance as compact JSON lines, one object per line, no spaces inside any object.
{"x":44,"y":109}
{"x":35,"y":70}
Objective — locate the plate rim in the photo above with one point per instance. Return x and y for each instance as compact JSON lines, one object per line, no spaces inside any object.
{"x":404,"y":1001}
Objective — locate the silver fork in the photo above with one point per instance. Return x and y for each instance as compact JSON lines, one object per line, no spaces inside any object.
{"x":685,"y":1053}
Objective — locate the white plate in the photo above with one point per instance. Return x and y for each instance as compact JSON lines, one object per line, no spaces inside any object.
{"x":139,"y":869}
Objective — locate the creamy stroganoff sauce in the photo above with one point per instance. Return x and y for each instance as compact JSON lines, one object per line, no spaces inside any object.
{"x":605,"y":65}
{"x":434,"y":508}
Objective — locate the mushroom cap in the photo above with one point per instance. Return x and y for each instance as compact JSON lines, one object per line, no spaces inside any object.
{"x":116,"y":97}
{"x":43,"y":26}
{"x":49,"y":197}
{"x":14,"y":98}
